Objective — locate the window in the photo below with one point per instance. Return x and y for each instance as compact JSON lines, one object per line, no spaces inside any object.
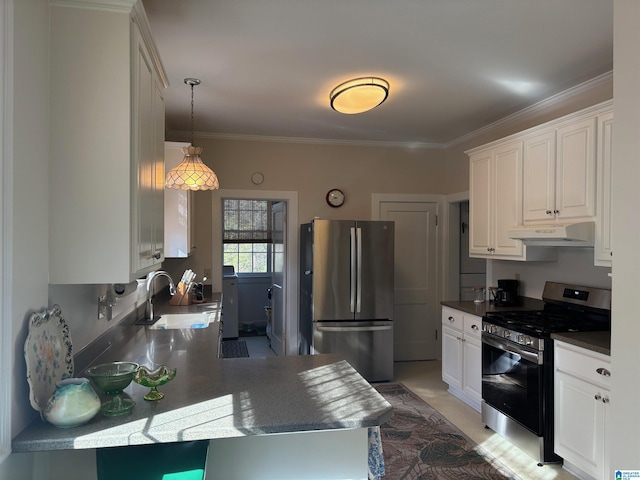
{"x":247,"y":235}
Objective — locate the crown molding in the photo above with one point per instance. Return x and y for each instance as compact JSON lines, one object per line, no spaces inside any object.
{"x":107,"y":5}
{"x":539,"y":107}
{"x":178,"y":134}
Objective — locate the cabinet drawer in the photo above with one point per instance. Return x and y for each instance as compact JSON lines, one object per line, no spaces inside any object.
{"x":453,"y":318}
{"x":472,"y":325}
{"x":583,"y":363}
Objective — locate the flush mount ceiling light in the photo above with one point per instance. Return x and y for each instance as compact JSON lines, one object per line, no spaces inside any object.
{"x":192,"y":173}
{"x":359,"y":95}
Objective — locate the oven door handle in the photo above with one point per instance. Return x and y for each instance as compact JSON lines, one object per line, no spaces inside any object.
{"x":512,"y":348}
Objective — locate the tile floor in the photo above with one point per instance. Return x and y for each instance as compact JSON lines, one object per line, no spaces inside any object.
{"x":425,"y":379}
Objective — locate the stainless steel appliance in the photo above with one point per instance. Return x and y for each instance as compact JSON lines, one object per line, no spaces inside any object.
{"x":346,"y":293}
{"x":517,"y":362}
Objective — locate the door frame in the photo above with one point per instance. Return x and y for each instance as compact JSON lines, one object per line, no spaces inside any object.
{"x":378,"y":198}
{"x":291,"y":293}
{"x":6,"y":219}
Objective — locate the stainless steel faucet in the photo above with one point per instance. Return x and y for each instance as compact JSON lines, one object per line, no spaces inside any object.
{"x":150,"y":277}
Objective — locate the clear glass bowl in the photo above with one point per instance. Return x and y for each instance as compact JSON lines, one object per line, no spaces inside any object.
{"x":111,"y":379}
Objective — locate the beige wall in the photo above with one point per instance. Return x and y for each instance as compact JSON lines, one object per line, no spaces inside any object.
{"x":311,"y":170}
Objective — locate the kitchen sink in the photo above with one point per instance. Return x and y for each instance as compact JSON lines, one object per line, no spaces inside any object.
{"x":170,"y":321}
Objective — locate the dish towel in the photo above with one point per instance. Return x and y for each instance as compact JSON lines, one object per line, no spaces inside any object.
{"x":376,"y":461}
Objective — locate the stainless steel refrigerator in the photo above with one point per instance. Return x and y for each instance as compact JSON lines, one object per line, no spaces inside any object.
{"x":346,"y":293}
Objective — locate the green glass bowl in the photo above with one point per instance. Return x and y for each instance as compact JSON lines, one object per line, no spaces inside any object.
{"x":112,"y":377}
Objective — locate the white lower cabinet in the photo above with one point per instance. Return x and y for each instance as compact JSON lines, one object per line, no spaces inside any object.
{"x":582,"y":408}
{"x":462,"y":355}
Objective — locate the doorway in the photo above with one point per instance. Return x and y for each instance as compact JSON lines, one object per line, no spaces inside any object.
{"x":287,"y":301}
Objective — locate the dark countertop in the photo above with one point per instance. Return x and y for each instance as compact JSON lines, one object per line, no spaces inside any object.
{"x":595,"y":341}
{"x":480,"y":309}
{"x":218,"y":398}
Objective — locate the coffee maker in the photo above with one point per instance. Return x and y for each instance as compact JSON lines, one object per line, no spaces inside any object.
{"x":506,"y":294}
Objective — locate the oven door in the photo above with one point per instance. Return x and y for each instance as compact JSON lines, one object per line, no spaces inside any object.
{"x":512,"y":378}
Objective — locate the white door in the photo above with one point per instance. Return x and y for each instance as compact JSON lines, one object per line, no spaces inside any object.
{"x":416,"y":311}
{"x":278,"y":280}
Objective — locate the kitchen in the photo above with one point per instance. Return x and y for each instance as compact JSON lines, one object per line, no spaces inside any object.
{"x":442,"y":171}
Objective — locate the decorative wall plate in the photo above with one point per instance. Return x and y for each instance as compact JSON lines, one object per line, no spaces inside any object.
{"x":48,"y":354}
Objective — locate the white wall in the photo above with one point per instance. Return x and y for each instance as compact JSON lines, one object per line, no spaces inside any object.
{"x":623,"y":439}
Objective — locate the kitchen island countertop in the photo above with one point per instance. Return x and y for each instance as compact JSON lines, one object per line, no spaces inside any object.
{"x":212,"y":398}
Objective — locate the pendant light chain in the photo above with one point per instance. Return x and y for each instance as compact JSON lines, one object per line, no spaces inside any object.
{"x":192,"y":134}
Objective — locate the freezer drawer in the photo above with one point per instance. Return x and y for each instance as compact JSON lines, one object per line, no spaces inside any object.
{"x":367,"y":346}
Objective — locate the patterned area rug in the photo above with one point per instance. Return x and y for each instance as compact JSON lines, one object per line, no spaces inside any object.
{"x":234,"y":349}
{"x":418,"y":443}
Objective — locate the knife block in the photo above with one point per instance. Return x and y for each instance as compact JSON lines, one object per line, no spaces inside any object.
{"x":182,"y":296}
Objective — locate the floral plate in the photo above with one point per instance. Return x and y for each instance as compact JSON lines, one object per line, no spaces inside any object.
{"x":47,"y":351}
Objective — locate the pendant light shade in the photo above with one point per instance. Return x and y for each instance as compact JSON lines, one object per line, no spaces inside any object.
{"x":191,"y":173}
{"x":359,"y":95}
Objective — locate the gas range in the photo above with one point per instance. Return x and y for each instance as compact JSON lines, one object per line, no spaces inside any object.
{"x":568,"y":308}
{"x":518,"y":363}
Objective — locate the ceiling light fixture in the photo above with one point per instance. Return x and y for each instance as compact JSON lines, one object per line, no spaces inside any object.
{"x":359,"y":95}
{"x":192,"y":173}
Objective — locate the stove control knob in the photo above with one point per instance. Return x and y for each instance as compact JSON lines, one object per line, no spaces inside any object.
{"x":524,"y":340}
{"x":506,"y":333}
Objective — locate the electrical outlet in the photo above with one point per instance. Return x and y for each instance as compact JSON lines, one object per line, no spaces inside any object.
{"x":102,"y":307}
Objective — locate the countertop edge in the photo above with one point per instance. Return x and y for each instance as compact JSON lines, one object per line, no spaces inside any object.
{"x":599,"y":342}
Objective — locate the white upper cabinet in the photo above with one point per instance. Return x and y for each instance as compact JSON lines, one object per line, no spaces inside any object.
{"x":107,"y":144}
{"x":560,"y":173}
{"x":603,"y":249}
{"x":553,"y":173}
{"x":495,"y":204}
{"x":178,"y":205}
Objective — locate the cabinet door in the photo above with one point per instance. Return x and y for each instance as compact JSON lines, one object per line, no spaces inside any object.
{"x":158,"y":174}
{"x":507,"y":200}
{"x":539,"y":177}
{"x":472,"y":355}
{"x":451,"y":356}
{"x":147,"y":164}
{"x":576,"y":170}
{"x":480,"y":203}
{"x":579,"y":423}
{"x":602,"y":249}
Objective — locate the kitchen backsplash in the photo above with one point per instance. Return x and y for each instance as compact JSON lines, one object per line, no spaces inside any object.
{"x":574,"y":266}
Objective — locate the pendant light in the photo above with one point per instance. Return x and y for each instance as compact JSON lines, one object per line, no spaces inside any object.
{"x":192,"y":173}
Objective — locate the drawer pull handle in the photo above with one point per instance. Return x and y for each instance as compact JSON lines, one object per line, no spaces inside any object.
{"x":474,"y":327}
{"x":598,"y":397}
{"x":603,"y":371}
{"x":451,"y":319}
{"x":605,"y":400}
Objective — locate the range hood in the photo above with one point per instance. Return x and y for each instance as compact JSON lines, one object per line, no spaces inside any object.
{"x":555,"y":235}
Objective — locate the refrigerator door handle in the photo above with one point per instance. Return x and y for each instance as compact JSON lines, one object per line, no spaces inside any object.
{"x":352,"y":296}
{"x":359,"y":275}
{"x":354,"y":329}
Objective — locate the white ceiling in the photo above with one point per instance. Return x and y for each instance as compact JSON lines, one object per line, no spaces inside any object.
{"x":267,"y":66}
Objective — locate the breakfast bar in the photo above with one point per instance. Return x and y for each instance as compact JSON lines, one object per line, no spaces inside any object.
{"x":298,"y":400}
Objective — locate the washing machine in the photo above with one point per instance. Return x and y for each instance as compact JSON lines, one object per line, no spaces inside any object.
{"x":229,"y":302}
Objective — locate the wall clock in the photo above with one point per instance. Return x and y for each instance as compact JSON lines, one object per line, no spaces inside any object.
{"x":257,"y":178}
{"x":335,"y":198}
